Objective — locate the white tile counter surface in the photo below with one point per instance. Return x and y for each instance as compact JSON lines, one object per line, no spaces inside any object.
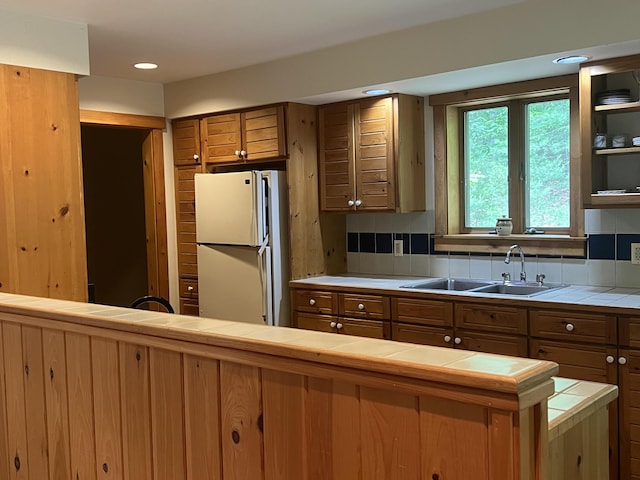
{"x":572,"y":294}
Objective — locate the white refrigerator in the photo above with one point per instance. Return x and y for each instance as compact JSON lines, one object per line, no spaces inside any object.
{"x":242,"y":246}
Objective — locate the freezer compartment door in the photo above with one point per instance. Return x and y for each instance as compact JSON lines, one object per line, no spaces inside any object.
{"x":231,"y":283}
{"x":230,"y":208}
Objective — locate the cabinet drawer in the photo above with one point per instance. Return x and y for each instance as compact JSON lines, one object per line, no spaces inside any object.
{"x":309,"y":321}
{"x":364,"y":306}
{"x":422,"y":312}
{"x":189,"y":306}
{"x":489,"y":318}
{"x":315,"y":301}
{"x":575,"y":327}
{"x":424,"y":335}
{"x":513,"y":345}
{"x":189,"y":288}
{"x":364,"y":328}
{"x":584,"y":362}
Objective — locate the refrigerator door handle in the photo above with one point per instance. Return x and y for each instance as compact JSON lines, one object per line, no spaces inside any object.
{"x":264,"y":267}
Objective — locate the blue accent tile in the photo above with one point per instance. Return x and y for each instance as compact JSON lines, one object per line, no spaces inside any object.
{"x":352,"y":242}
{"x":367,"y":243}
{"x":419,"y":243}
{"x":384,"y":243}
{"x":623,"y":245}
{"x":602,"y":246}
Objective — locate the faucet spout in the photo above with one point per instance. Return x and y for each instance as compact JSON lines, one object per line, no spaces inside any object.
{"x":507,"y":259}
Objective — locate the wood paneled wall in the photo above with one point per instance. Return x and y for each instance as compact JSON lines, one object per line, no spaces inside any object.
{"x":42,"y":236}
{"x":80,"y":403}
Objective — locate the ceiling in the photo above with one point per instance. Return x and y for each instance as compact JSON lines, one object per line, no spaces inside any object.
{"x":192,"y":38}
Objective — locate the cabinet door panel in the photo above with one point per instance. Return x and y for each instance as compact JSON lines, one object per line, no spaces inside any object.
{"x":629,"y":375}
{"x":315,"y":301}
{"x":629,"y":331}
{"x":186,"y":142}
{"x":365,"y":328}
{"x":309,"y":321}
{"x":438,"y":337}
{"x":263,"y":135}
{"x":221,"y":137}
{"x":375,"y":154}
{"x":336,"y":161}
{"x":364,"y":306}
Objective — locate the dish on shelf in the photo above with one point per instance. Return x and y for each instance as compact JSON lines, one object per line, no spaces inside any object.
{"x":614,"y":97}
{"x":611,"y":192}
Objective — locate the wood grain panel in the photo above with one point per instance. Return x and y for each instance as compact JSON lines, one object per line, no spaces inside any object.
{"x":186,"y":141}
{"x":42,"y":251}
{"x":136,"y":415}
{"x":106,"y":404}
{"x":422,"y":334}
{"x":491,"y":319}
{"x":501,"y":448}
{"x":422,"y":312}
{"x":4,"y":440}
{"x":573,"y":326}
{"x":202,"y":418}
{"x":16,"y":414}
{"x":37,"y":440}
{"x":284,"y":433}
{"x":221,"y":137}
{"x":454,"y":440}
{"x":81,"y":419}
{"x":374,"y":307}
{"x":333,"y":430}
{"x":315,"y":301}
{"x":390,"y":435}
{"x":167,"y":420}
{"x":55,"y":383}
{"x":241,"y":407}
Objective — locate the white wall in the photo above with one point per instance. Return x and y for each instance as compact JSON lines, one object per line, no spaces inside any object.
{"x":45,"y":43}
{"x":526,"y":29}
{"x":117,"y":95}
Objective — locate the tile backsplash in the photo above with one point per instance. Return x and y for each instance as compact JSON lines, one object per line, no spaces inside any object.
{"x":370,"y":247}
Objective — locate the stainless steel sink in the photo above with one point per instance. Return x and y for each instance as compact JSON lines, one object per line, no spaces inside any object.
{"x":527,"y":289}
{"x":449,"y":284}
{"x":517,"y":288}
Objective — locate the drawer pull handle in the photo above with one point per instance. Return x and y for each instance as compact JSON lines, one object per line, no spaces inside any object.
{"x":447,"y":338}
{"x":569,"y":327}
{"x":190,"y":288}
{"x":312,"y":302}
{"x":333,"y":324}
{"x":610,"y":359}
{"x":361,"y":306}
{"x":622,"y":360}
{"x":339,"y":326}
{"x":457,"y":340}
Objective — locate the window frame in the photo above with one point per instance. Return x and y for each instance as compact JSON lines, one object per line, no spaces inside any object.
{"x":450,"y":233}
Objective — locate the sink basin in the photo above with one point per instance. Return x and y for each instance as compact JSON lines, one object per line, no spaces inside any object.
{"x":449,"y":284}
{"x":526,"y":289}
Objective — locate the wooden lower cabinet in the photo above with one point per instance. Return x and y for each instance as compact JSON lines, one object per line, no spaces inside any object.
{"x":343,"y":326}
{"x":629,"y":377}
{"x":422,"y":334}
{"x":501,"y":344}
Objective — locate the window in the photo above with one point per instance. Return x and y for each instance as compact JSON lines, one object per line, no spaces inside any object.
{"x":509,"y":150}
{"x":516,"y":163}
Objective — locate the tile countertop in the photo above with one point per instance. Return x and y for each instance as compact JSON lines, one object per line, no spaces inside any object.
{"x":572,"y":294}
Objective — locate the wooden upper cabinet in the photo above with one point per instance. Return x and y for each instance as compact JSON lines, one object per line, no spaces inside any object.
{"x":372,"y":155}
{"x":257,"y":134}
{"x":186,"y":142}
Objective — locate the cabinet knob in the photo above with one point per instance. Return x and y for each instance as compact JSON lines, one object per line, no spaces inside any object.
{"x":361,"y":306}
{"x":196,"y":156}
{"x":339,"y":326}
{"x":333,"y":324}
{"x":312,"y":302}
{"x":243,"y":153}
{"x":358,"y":203}
{"x":447,"y":338}
{"x":622,"y":360}
{"x":569,"y":327}
{"x":351,"y":203}
{"x":237,"y":152}
{"x":610,"y":359}
{"x":190,"y":288}
{"x":457,"y":340}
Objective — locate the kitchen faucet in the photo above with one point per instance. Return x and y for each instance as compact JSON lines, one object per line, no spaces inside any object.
{"x":523,"y":274}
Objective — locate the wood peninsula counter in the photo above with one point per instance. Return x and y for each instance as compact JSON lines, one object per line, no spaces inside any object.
{"x":95,"y":392}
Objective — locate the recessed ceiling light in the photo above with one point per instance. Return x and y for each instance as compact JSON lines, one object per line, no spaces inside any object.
{"x":145,"y":66}
{"x":571,"y":59}
{"x":376,"y":91}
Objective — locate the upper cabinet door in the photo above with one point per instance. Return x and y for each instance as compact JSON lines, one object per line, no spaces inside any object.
{"x":221,"y":138}
{"x":186,"y":142}
{"x":374,"y":155}
{"x":336,"y":160}
{"x":264,"y":134}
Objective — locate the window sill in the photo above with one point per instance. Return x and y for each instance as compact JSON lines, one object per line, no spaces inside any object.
{"x":531,"y":244}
